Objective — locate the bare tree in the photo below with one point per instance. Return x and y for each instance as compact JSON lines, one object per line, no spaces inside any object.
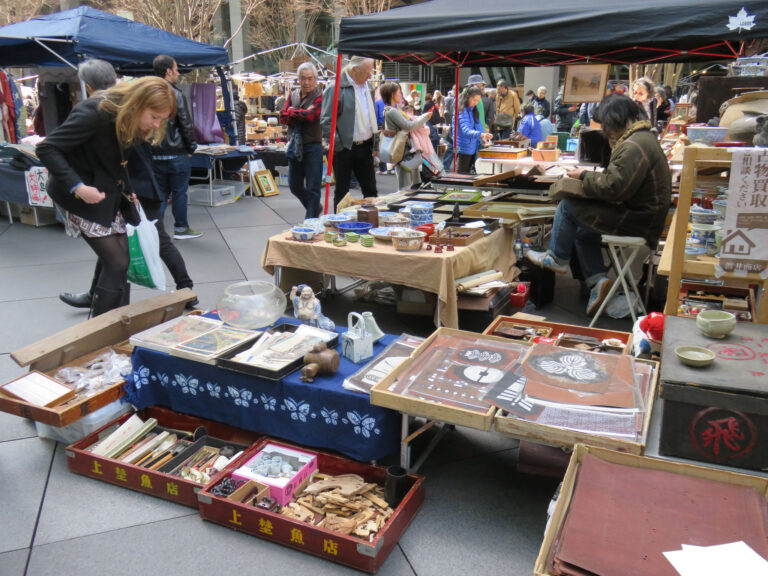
{"x":357,"y":7}
{"x":276,"y":22}
{"x":12,"y":11}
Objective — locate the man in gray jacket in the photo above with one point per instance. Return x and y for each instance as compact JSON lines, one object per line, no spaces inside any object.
{"x":356,"y":128}
{"x":171,"y":157}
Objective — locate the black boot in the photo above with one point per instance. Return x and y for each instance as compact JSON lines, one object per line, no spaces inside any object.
{"x":105,"y":300}
{"x":126,"y":299}
{"x":81,"y":300}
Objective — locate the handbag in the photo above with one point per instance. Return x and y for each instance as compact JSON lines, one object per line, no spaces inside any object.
{"x":504,"y":120}
{"x":392,"y":148}
{"x":411,"y":161}
{"x":295,"y":149}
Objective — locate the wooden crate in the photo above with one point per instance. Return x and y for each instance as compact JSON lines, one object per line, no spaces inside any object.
{"x":459,"y":236}
{"x":510,"y":211}
{"x":558,"y":329}
{"x":344,"y":549}
{"x":154,"y":482}
{"x":82,"y":342}
{"x":564,"y":438}
{"x":541,"y":568}
{"x":717,"y":294}
{"x":502,"y":153}
{"x":381,"y":396}
{"x":717,"y":414}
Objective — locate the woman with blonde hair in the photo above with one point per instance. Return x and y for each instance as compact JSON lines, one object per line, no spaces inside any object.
{"x":88,"y":173}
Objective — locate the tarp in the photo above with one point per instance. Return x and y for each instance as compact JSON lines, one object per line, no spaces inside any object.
{"x":85,"y":32}
{"x":556,"y":32}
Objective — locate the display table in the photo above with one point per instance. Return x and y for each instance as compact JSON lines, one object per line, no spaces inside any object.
{"x":425,"y":270}
{"x":272,"y":157}
{"x":216,"y":164}
{"x":320,"y":414}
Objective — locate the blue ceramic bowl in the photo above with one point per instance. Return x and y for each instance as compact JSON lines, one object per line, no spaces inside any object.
{"x":357,"y":227}
{"x":302,"y":233}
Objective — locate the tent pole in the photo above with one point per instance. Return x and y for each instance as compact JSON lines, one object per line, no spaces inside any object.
{"x":456,"y":117}
{"x":333,"y":132}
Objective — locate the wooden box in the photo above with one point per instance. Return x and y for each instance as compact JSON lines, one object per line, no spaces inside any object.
{"x":545,"y":155}
{"x":510,"y":211}
{"x":564,"y":187}
{"x":717,"y":414}
{"x":83,"y":342}
{"x":353,"y":551}
{"x":559,"y":329}
{"x":542,"y":567}
{"x":381,"y":395}
{"x":731,"y":299}
{"x":566,"y":438}
{"x":459,"y":236}
{"x":154,"y":482}
{"x":502,"y":153}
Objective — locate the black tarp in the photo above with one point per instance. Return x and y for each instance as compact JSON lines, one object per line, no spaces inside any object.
{"x":557,"y":32}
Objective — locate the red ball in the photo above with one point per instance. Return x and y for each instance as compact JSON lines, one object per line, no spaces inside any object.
{"x":521,"y":288}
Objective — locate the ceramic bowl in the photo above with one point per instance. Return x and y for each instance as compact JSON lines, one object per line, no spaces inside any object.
{"x":335,"y":219}
{"x":703,"y":233}
{"x":702,"y":215}
{"x":393,"y":219}
{"x":356,"y":227}
{"x":715,"y":323}
{"x":693,"y":251}
{"x":707,"y":134}
{"x":695,"y":356}
{"x":720,"y":206}
{"x":302,"y":233}
{"x":408,"y":240}
{"x":429,"y":229}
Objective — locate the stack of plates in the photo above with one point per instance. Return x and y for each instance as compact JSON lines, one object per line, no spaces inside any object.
{"x":366,"y":240}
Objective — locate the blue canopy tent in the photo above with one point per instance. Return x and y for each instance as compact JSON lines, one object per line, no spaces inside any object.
{"x":66,"y":38}
{"x":69,"y":37}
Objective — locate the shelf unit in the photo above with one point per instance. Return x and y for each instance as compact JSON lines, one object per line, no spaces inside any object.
{"x":673,"y":262}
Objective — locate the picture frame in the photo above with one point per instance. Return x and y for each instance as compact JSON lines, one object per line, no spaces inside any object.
{"x":266,"y":183}
{"x":585,"y":83}
{"x":462,"y":196}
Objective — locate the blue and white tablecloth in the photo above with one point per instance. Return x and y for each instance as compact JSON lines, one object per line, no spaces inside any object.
{"x":320,"y":414}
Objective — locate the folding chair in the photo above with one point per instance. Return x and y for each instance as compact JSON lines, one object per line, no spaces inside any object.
{"x":622,"y":251}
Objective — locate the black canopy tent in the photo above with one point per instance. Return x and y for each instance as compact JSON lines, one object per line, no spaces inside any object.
{"x":558,"y":32}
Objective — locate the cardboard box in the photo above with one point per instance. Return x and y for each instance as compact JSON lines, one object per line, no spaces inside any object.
{"x":418,"y":302}
{"x":381,"y":396}
{"x":281,"y":488}
{"x":542,"y":567}
{"x":154,"y":482}
{"x":80,"y":343}
{"x":353,"y":551}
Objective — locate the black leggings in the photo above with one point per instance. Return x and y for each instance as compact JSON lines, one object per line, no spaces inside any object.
{"x":113,"y":258}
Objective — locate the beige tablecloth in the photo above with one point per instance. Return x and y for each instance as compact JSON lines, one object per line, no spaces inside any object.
{"x":424,"y":269}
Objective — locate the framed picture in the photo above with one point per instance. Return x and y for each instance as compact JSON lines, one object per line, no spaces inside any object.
{"x":469,"y":196}
{"x":266,"y":183}
{"x":585,"y":83}
{"x":681,"y":113}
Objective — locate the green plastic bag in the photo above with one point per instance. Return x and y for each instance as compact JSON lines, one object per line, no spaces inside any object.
{"x":146,"y":266}
{"x":138,"y":271}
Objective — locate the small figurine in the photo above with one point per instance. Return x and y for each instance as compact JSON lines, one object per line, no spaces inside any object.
{"x":319,"y":361}
{"x":306,"y":307}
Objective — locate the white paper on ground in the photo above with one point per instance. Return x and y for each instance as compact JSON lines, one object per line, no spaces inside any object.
{"x":732,"y":558}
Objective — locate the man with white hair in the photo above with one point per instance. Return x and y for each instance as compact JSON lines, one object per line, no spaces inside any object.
{"x":356,"y":128}
{"x":540,"y":102}
{"x":301,"y":112}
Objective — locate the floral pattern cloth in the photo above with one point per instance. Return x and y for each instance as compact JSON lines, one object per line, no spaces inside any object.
{"x":320,"y":414}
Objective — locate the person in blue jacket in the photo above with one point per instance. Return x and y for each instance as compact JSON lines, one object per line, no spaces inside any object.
{"x":529,"y":126}
{"x":471,"y":132}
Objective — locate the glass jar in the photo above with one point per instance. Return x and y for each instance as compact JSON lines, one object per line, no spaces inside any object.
{"x":251,"y":304}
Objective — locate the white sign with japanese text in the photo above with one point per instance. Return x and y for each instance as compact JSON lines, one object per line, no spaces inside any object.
{"x":37,"y":186}
{"x":745,"y":235}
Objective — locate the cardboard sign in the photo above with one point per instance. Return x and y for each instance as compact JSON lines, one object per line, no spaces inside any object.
{"x":745,"y":239}
{"x":36,"y":179}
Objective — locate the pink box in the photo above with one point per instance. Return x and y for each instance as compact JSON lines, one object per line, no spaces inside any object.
{"x":268,"y":466}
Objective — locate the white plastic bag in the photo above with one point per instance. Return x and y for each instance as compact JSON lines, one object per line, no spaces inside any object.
{"x":146,"y":268}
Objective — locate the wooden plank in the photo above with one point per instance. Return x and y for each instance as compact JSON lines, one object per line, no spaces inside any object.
{"x":114,"y":326}
{"x":506,"y":175}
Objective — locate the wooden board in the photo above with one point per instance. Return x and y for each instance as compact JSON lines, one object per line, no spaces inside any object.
{"x":500,"y":177}
{"x":83,"y":342}
{"x":541,"y":567}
